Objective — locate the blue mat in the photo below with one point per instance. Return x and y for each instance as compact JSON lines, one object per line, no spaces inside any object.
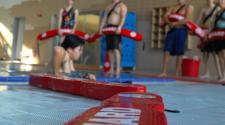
{"x":129,"y":78}
{"x":124,"y":78}
{"x":14,"y":78}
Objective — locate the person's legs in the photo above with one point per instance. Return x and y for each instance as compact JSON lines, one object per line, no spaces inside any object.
{"x":178,"y":65}
{"x":221,"y":63}
{"x":109,"y":49}
{"x":118,"y":61}
{"x":179,"y":48}
{"x":223,"y":60}
{"x":165,"y":64}
{"x":169,"y":42}
{"x":217,"y":64}
{"x":112,"y":62}
{"x":115,"y":56}
{"x":205,"y":58}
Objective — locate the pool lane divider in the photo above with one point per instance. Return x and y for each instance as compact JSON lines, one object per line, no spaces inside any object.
{"x":121,"y":103}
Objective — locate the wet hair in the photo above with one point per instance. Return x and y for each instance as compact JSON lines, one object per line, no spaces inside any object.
{"x":72,"y":41}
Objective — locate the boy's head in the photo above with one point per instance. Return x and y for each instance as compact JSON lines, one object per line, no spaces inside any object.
{"x":74,"y":46}
{"x":70,"y":2}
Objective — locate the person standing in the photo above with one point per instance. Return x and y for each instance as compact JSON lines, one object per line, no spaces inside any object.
{"x":177,"y":35}
{"x":114,"y":16}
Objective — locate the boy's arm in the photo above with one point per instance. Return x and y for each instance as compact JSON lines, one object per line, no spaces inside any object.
{"x":58,"y":59}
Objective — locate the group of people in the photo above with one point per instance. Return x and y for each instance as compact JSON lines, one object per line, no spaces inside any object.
{"x":211,"y":18}
{"x":71,"y":46}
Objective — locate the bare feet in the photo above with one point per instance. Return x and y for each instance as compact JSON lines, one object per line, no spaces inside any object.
{"x":118,"y":73}
{"x":222,"y":79}
{"x":111,"y":73}
{"x":91,"y":77}
{"x":163,"y":75}
{"x":178,"y":74}
{"x":205,"y":76}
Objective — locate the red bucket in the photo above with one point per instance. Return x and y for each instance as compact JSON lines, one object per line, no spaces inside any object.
{"x":190,"y":67}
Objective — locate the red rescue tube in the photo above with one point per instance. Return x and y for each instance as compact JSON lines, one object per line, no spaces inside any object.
{"x":172,"y":18}
{"x":192,"y":27}
{"x":195,"y":29}
{"x":112,"y":30}
{"x":216,"y":35}
{"x":175,"y":17}
{"x":54,"y":32}
{"x":201,"y":43}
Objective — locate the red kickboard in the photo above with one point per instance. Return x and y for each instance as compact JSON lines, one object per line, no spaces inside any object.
{"x":86,"y":88}
{"x":54,"y":32}
{"x":40,"y":80}
{"x":136,"y":100}
{"x":119,"y":116}
{"x":101,"y":90}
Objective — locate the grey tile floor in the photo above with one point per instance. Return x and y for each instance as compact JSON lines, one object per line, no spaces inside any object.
{"x":31,"y":106}
{"x":199,"y":104}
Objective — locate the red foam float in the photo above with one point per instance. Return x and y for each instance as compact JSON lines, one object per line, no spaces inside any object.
{"x":216,"y":35}
{"x":54,"y":32}
{"x":136,"y":100}
{"x":130,"y":106}
{"x":40,"y":80}
{"x":101,"y":90}
{"x":119,"y":116}
{"x":112,"y":30}
{"x":86,"y":88}
{"x":66,"y":85}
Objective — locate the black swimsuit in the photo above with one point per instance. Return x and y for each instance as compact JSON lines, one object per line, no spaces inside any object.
{"x":112,"y":41}
{"x":218,"y":45}
{"x":68,"y":18}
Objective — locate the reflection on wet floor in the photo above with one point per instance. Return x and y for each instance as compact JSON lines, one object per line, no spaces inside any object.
{"x":28,"y":105}
{"x":199,"y":104}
